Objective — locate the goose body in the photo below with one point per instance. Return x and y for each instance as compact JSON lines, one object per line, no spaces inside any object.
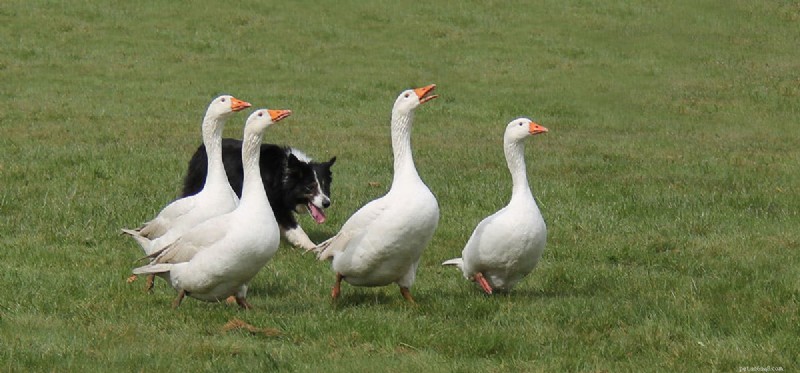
{"x":217,"y":258}
{"x":217,"y":196}
{"x":506,"y":246}
{"x":382,"y":242}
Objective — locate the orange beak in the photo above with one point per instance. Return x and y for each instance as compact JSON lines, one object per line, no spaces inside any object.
{"x":422,"y":93}
{"x":277,"y":115}
{"x":239,"y":105}
{"x":535,"y":129}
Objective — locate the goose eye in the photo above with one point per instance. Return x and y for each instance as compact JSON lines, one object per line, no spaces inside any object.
{"x":223,"y":99}
{"x":520,"y":123}
{"x":261,"y":114}
{"x":406,"y":95}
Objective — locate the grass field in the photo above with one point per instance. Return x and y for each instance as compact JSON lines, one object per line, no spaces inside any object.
{"x":670,"y":180}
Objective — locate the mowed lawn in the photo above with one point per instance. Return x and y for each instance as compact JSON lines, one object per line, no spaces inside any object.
{"x":669,"y":180}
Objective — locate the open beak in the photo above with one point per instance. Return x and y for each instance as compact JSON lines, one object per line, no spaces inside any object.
{"x":536,"y":129}
{"x":238,"y":105}
{"x":423,"y":92}
{"x":277,"y":115}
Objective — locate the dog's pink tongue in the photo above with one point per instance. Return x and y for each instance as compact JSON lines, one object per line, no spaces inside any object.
{"x":316,"y":213}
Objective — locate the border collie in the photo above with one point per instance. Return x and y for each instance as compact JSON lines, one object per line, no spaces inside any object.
{"x":291,"y":179}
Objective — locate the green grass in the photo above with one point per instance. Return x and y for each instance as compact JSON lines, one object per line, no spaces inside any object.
{"x":670,"y":180}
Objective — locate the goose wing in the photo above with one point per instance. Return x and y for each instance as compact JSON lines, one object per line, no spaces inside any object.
{"x":358,"y":223}
{"x":187,"y":246}
{"x":163,"y":221}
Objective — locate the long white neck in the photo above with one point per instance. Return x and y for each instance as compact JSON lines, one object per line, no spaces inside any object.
{"x":404,"y":169}
{"x":212,"y":138}
{"x":515,"y":158}
{"x":253,"y":194}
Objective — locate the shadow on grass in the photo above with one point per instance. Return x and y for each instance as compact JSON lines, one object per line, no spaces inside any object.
{"x":472,"y":290}
{"x":358,"y":297}
{"x":263,"y":289}
{"x":551,"y":292}
{"x":389,"y":295}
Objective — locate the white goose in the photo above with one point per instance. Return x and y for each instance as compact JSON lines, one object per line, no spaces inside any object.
{"x":217,"y":196}
{"x":217,"y":258}
{"x":507,"y":245}
{"x":382,"y":242}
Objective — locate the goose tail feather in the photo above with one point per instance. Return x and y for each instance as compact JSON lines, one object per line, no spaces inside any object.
{"x":458,"y":262}
{"x":152,"y":269}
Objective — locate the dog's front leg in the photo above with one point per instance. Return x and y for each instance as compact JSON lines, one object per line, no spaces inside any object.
{"x":298,"y":238}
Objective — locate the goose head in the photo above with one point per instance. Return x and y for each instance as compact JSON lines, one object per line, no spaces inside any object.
{"x":521,"y":128}
{"x":225,"y":105}
{"x":410,"y":99}
{"x":260,"y":119}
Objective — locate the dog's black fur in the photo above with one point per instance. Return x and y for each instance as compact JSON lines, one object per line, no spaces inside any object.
{"x":288,"y":181}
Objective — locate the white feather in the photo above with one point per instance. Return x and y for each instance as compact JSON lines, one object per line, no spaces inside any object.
{"x":383,"y":241}
{"x":506,"y":246}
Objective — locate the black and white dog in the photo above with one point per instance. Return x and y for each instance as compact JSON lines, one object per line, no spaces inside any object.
{"x":291,"y":179}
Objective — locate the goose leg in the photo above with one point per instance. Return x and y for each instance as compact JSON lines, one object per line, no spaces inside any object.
{"x":407,"y":295}
{"x":149,"y":284}
{"x":483,"y":283}
{"x":241,"y":298}
{"x":242,"y":302}
{"x":337,"y":287}
{"x":131,"y":279}
{"x":179,"y":299}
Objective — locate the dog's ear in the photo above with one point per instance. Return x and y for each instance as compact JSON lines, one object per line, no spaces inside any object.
{"x":332,"y":161}
{"x":293,"y":160}
{"x":297,"y":170}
